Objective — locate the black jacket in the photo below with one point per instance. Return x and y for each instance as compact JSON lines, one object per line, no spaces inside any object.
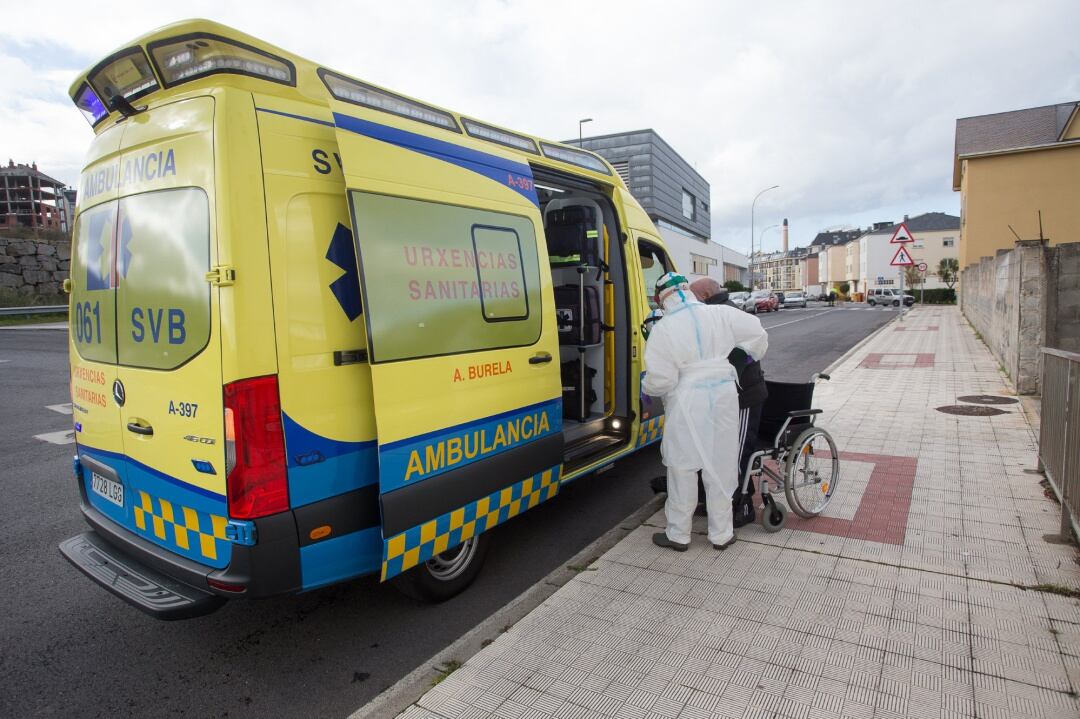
{"x":752,"y":389}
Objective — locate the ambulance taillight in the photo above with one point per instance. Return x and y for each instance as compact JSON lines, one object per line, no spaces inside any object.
{"x":255,"y":449}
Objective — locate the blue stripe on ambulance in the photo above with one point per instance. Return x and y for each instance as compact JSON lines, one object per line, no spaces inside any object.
{"x":514,"y":175}
{"x":320,"y":467}
{"x":414,"y":459}
{"x":180,"y":517}
{"x":332,"y":560}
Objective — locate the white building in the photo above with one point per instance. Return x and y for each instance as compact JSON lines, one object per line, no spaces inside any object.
{"x":935,"y":235}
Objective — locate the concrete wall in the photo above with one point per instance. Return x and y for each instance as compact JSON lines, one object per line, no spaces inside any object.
{"x":1021,"y":300}
{"x":33,"y":266}
{"x":1005,"y":190}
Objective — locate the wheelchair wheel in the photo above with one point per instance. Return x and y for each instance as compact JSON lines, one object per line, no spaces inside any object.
{"x":812,"y":472}
{"x":773,"y":515}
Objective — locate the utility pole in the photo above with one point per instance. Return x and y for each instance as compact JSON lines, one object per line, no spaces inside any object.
{"x":579,"y":124}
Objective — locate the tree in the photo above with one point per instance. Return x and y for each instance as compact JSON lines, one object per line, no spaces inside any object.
{"x":844,"y":288}
{"x":948,"y":271}
{"x":912,"y":276}
{"x":734,"y":286}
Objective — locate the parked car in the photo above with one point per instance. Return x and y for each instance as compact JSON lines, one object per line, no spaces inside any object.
{"x":888,"y":297}
{"x":764,"y":301}
{"x":795,"y":299}
{"x":739,"y":299}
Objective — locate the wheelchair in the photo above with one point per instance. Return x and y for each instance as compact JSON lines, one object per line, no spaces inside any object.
{"x":794,"y":453}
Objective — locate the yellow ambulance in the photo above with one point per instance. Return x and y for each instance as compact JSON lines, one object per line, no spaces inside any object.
{"x":320,"y":329}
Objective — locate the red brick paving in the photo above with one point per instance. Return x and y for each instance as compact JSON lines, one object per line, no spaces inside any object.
{"x":876,"y":360}
{"x":883,"y":512}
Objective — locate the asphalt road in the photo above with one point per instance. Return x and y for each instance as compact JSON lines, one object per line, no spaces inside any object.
{"x":68,"y":648}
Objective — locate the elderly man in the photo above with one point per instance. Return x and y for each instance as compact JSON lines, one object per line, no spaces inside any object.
{"x":686,"y":364}
{"x":752,"y":395}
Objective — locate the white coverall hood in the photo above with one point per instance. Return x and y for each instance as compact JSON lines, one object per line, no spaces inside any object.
{"x":686,"y":364}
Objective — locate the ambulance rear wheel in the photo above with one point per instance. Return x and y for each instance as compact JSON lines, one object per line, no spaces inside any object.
{"x":448,"y":574}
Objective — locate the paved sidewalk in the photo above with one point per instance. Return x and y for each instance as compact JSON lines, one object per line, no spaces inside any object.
{"x":907,"y":599}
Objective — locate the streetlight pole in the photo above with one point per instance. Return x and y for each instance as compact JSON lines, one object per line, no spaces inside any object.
{"x":752,"y":204}
{"x":579,"y":124}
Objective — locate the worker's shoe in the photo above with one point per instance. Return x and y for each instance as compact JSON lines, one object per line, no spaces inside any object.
{"x":660,"y":539}
{"x":658,"y":484}
{"x":725,"y":545}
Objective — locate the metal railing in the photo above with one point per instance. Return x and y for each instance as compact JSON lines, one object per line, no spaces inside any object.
{"x":42,"y":310}
{"x":1059,"y":432}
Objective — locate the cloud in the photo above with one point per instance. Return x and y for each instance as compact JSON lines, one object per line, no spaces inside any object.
{"x":850,"y":107}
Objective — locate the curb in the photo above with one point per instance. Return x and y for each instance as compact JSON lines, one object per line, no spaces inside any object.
{"x":410,"y":688}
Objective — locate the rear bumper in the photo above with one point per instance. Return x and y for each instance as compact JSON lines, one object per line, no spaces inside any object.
{"x":157,"y":595}
{"x":169,"y":586}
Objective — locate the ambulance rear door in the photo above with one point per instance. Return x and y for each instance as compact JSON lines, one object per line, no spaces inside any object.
{"x":462,"y":340}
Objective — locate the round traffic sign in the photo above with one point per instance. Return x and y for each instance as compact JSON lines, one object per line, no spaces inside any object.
{"x":922,"y":267}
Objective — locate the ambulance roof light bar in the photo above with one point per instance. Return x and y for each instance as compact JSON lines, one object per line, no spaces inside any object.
{"x":189,"y":57}
{"x":360,"y":93}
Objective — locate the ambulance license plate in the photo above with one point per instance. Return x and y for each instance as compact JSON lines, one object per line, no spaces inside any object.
{"x":110,"y":489}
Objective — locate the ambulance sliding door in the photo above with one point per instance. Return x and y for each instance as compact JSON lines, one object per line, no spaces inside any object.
{"x":461,"y":331}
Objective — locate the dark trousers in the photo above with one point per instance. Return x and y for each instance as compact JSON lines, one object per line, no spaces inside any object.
{"x":749,"y":422}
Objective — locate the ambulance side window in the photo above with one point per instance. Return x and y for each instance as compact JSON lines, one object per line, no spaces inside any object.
{"x":443,"y":279}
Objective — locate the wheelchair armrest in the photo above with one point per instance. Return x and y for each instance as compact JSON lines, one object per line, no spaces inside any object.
{"x":803,"y":412}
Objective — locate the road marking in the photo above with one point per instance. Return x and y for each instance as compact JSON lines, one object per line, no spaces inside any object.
{"x":3,"y":361}
{"x":801,"y":319}
{"x":66,"y":436}
{"x":60,"y":408}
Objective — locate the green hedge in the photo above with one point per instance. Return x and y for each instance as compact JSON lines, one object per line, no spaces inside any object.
{"x":941,"y":296}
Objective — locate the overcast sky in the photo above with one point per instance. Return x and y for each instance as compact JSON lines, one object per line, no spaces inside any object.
{"x":849,"y":106}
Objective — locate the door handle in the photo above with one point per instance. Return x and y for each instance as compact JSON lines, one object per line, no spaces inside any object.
{"x":540,"y":358}
{"x":145,"y":430}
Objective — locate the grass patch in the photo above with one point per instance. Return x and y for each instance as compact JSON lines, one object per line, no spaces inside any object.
{"x":10,"y":298}
{"x":1059,"y":589}
{"x":16,"y":320}
{"x":446,"y":670}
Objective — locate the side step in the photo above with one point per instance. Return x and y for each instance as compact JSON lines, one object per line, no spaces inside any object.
{"x":591,"y":445}
{"x":135,"y":583}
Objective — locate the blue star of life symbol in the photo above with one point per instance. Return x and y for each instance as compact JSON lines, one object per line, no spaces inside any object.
{"x":346,"y":288}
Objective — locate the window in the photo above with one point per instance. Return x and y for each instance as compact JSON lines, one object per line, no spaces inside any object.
{"x":442,"y":279}
{"x":93,"y":301}
{"x":654,"y":264}
{"x":948,"y":242}
{"x":141,"y":297}
{"x":162,"y":296}
{"x":688,"y":205}
{"x":700,"y":268}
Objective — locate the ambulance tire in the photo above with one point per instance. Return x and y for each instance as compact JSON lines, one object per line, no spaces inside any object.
{"x":446,"y":575}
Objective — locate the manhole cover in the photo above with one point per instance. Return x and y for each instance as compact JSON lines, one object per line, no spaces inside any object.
{"x":971,"y":410}
{"x":986,"y":399}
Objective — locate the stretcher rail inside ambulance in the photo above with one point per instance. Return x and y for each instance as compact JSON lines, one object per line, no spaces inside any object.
{"x":323,"y":330}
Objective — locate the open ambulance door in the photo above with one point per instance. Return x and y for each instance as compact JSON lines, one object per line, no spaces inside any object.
{"x":462,"y":340}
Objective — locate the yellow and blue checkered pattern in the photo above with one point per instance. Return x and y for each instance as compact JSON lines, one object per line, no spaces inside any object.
{"x":419,"y":544}
{"x":179,"y":527}
{"x":651,"y":430}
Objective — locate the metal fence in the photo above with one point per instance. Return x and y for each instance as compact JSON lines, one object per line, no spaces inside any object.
{"x":42,"y":310}
{"x":1059,"y":432}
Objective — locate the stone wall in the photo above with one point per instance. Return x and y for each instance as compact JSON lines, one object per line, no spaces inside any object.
{"x":1022,"y":300}
{"x":34,"y":267}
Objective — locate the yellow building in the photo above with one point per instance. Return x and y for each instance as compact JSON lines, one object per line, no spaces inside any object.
{"x":1011,"y":166}
{"x":837,"y":264}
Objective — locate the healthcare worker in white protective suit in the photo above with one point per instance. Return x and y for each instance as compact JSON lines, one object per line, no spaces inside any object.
{"x":686,"y":364}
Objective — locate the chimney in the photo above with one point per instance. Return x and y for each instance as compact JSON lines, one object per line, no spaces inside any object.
{"x":905,"y":218}
{"x":785,"y":235}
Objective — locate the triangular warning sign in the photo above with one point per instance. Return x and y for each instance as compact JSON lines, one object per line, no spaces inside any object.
{"x":902,"y":234}
{"x":902,"y":258}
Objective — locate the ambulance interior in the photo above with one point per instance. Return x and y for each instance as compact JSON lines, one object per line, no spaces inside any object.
{"x":588,"y":269}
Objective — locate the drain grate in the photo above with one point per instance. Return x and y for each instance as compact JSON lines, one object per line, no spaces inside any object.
{"x":986,"y":399}
{"x":971,"y":410}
